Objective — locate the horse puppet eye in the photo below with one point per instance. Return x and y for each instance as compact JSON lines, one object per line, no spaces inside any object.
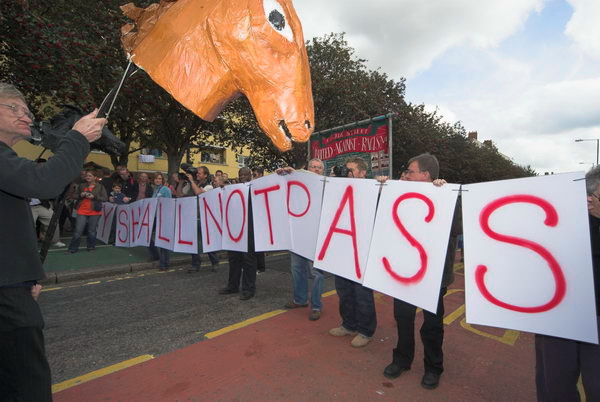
{"x":276,"y":16}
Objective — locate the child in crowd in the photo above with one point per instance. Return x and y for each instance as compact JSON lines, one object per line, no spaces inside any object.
{"x":116,"y":196}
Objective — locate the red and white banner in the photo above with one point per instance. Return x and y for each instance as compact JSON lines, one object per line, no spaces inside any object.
{"x":235,"y":218}
{"x":211,"y":219}
{"x":269,"y":213}
{"x":186,"y":225}
{"x":165,"y":223}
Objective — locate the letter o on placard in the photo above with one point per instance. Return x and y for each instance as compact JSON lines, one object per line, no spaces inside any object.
{"x":303,"y":187}
{"x":241,"y":195}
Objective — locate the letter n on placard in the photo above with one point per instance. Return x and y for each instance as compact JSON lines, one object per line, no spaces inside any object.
{"x":186,"y":225}
{"x":105,"y":222}
{"x":527,"y":256}
{"x":211,"y":206}
{"x":165,"y":223}
{"x":410,"y":239}
{"x":346,"y":226}
{"x":235,"y":217}
{"x":270,"y":215}
{"x":123,"y":226}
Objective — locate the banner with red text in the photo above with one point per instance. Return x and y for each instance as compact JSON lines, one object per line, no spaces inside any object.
{"x":235,"y":217}
{"x":211,"y":219}
{"x":528,"y":258}
{"x":269,"y":213}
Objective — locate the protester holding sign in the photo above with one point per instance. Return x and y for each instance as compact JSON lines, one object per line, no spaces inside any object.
{"x":301,"y":266}
{"x":357,"y":305}
{"x":424,"y":168}
{"x":559,"y":361}
{"x":160,"y":190}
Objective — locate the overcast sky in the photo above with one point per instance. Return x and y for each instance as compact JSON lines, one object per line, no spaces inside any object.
{"x":523,"y":73}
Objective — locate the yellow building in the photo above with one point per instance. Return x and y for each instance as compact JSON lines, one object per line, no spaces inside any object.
{"x":213,"y":157}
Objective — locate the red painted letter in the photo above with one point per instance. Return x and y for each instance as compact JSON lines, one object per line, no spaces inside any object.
{"x":124,"y":224}
{"x":416,"y":278}
{"x":243,"y":200}
{"x":303,"y":187}
{"x":207,"y":211}
{"x":347,"y":198}
{"x":551,"y":220}
{"x":107,"y":214}
{"x":266,"y":192}
{"x":160,"y":234}
{"x":145,"y":222}
{"x":180,"y":240}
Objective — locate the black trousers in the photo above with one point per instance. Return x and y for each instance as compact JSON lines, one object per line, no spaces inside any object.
{"x":558,"y":364}
{"x":260,"y":257}
{"x":432,"y":335}
{"x":242,"y":266}
{"x":24,"y":369}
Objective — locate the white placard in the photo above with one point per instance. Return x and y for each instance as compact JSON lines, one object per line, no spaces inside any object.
{"x":186,"y":225}
{"x":235,"y":217}
{"x":269,"y":213}
{"x":142,"y":234}
{"x":105,"y":222}
{"x":165,"y":223}
{"x":135,"y":209}
{"x":211,"y":219}
{"x":122,"y":233}
{"x":527,"y":256}
{"x":346,"y":226}
{"x":304,"y":198}
{"x":410,"y":240}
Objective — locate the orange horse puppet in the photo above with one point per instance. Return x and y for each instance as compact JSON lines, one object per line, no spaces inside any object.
{"x":208,"y":52}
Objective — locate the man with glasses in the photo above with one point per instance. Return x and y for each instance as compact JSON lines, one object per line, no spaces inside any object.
{"x":559,"y":363}
{"x":424,"y":168}
{"x":24,"y":370}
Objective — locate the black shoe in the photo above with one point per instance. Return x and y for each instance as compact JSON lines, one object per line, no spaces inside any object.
{"x":193,"y":269}
{"x":393,"y":371}
{"x":228,"y":291}
{"x":430,"y":380}
{"x":246,"y":296}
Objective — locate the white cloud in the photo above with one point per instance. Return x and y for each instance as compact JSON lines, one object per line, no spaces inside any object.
{"x":584,"y":26}
{"x":405,"y":36}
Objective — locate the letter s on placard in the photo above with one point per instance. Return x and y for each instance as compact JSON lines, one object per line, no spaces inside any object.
{"x":551,"y":220}
{"x":416,"y":278}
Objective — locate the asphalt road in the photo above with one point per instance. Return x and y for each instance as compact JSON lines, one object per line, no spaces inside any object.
{"x":94,"y":324}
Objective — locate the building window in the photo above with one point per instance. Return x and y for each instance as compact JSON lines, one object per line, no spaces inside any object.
{"x":154,"y":152}
{"x":242,"y":160}
{"x":212,"y":155}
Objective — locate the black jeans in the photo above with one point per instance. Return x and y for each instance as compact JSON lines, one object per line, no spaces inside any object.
{"x":242,"y":266}
{"x":558,"y":364}
{"x":357,"y":306}
{"x":432,"y":335}
{"x":24,"y":370}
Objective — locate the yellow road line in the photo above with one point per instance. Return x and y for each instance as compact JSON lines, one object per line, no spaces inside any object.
{"x":450,"y":318}
{"x":100,"y":373}
{"x":242,"y":324}
{"x":50,"y":289}
{"x":326,"y":294}
{"x":92,"y":283}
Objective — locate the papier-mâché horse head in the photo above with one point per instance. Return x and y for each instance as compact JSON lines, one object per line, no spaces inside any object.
{"x":208,"y":52}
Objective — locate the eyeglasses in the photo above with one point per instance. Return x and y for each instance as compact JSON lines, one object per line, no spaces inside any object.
{"x":19,"y":110}
{"x":408,"y":171}
{"x":595,"y":196}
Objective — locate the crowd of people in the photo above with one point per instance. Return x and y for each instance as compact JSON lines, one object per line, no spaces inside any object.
{"x":24,"y":370}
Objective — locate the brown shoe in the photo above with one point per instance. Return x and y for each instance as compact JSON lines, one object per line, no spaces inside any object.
{"x":341,"y":331}
{"x":292,"y":304}
{"x":314,"y":315}
{"x":360,"y":341}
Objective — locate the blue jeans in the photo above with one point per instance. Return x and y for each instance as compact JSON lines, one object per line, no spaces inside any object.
{"x":160,"y":254}
{"x":92,"y":225}
{"x":357,"y":306}
{"x":300,"y":269}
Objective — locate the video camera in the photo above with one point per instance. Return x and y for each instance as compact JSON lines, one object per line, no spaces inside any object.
{"x":342,"y":171}
{"x":188,"y":169}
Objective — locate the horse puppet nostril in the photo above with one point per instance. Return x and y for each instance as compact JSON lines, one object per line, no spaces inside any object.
{"x":307,"y":124}
{"x":285,"y":129}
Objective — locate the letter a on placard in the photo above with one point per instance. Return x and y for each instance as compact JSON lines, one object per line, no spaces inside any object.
{"x":270,"y":215}
{"x":235,"y":218}
{"x":346,"y":226}
{"x":527,"y":256}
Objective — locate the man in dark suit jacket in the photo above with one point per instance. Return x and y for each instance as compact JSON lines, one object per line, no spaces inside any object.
{"x":24,"y":370}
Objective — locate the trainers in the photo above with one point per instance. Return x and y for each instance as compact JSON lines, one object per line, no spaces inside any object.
{"x":360,"y":341}
{"x":341,"y":331}
{"x":314,"y":315}
{"x":292,"y":304}
{"x":59,"y":244}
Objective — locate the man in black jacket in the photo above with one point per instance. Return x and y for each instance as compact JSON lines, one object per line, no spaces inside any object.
{"x":24,"y":370}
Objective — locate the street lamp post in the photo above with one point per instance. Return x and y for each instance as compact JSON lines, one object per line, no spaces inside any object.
{"x":597,"y":145}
